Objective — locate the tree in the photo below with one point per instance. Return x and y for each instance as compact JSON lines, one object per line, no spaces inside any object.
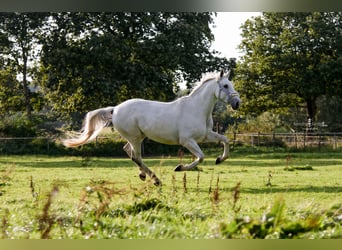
{"x":20,"y":32}
{"x":97,"y":59}
{"x":290,"y":58}
{"x":10,"y":98}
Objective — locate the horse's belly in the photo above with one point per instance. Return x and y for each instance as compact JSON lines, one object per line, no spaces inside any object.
{"x":163,"y":135}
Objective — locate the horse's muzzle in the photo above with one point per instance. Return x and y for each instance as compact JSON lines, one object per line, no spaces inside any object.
{"x":235,"y":102}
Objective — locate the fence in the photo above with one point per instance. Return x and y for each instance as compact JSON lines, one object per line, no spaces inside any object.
{"x":107,"y":146}
{"x":290,"y":140}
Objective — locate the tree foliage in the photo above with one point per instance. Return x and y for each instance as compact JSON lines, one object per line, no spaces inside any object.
{"x":98,"y":59}
{"x":10,"y":93}
{"x":19,"y":37}
{"x":290,"y":58}
{"x":76,"y":61}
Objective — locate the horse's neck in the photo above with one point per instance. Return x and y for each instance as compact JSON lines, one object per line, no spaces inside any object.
{"x":204,"y":99}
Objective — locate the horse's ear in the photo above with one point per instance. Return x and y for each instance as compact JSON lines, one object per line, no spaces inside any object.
{"x":221,"y":74}
{"x":228,"y":73}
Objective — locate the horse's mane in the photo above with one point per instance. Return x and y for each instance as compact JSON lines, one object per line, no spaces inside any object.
{"x":205,"y":78}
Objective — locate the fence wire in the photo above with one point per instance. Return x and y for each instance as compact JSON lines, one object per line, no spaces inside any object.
{"x":290,"y":140}
{"x":332,"y":141}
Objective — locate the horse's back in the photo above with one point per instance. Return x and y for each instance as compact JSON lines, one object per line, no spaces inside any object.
{"x":137,"y":108}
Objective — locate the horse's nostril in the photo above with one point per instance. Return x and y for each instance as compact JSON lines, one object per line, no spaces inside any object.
{"x":236,"y":105}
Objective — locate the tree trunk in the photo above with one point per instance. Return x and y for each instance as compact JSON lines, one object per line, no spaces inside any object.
{"x":311,"y":108}
{"x":26,"y":89}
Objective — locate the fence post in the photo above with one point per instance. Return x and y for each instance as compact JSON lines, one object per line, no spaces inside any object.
{"x":252,"y":143}
{"x":273,"y":140}
{"x":304,"y":138}
{"x":48,"y":145}
{"x":234,"y":139}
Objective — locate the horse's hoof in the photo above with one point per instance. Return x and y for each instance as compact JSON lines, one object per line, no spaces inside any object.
{"x":157,"y":183}
{"x":142,"y":176}
{"x":179,"y":168}
{"x":218,"y":160}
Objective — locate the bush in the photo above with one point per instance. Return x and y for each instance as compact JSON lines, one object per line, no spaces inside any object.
{"x":18,"y":125}
{"x":267,"y":122}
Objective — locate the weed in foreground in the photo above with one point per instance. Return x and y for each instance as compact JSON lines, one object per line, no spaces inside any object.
{"x":269,"y":178}
{"x":198,"y":181}
{"x":4,"y":224}
{"x":104,"y":191}
{"x":236,"y":197}
{"x":34,"y":193}
{"x":47,"y":220}
{"x":185,"y":189}
{"x":5,"y":180}
{"x":216,"y":195}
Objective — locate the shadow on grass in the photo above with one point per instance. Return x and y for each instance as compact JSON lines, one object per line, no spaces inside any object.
{"x":272,"y":162}
{"x":79,"y":162}
{"x":72,"y":163}
{"x":305,"y":189}
{"x":274,"y":190}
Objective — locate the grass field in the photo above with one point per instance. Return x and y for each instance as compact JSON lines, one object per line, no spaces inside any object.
{"x":249,"y":196}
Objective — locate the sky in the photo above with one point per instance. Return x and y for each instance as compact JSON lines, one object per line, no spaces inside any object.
{"x":227,"y":32}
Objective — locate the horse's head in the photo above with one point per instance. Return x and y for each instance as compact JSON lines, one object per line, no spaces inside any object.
{"x":226,"y":91}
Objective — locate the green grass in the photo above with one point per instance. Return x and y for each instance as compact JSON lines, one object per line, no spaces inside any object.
{"x":74,"y":197}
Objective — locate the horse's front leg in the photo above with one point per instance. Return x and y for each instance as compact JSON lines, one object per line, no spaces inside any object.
{"x":215,"y":137}
{"x":193,"y":147}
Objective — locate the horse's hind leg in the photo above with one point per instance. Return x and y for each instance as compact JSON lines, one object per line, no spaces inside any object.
{"x":129,"y":150}
{"x":134,"y":152}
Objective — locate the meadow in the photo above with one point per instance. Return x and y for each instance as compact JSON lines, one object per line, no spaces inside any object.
{"x":262,"y":195}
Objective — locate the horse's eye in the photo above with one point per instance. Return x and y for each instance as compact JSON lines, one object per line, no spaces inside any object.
{"x":225,"y":86}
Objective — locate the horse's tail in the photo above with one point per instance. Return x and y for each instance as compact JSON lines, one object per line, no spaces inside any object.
{"x":94,"y":122}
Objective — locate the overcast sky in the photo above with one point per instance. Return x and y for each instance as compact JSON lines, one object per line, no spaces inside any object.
{"x":227,"y":32}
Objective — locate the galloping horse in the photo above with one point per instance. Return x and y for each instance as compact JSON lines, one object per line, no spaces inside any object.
{"x":185,"y":121}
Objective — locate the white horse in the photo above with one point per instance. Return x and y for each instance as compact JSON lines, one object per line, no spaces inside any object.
{"x":185,"y":121}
